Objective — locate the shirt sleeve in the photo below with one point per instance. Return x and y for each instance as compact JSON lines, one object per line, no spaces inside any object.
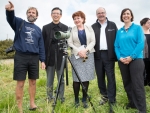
{"x":10,"y":16}
{"x":41,"y":49}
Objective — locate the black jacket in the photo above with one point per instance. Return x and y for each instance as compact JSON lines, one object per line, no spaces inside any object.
{"x":111,"y":30}
{"x":51,"y":44}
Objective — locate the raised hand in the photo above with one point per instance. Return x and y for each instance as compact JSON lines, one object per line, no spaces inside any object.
{"x":9,"y":6}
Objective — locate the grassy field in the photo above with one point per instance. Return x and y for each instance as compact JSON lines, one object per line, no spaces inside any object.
{"x":8,"y":104}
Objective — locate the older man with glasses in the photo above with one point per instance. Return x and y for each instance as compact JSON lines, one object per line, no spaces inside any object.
{"x":105,"y":33}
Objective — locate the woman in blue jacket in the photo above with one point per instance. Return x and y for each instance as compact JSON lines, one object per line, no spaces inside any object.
{"x":129,"y":46}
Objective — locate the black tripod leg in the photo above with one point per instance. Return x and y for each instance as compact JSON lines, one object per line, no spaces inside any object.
{"x":66,"y":63}
{"x":88,"y":97}
{"x":59,"y":82}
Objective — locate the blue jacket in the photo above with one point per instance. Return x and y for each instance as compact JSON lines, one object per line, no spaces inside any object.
{"x":129,"y":43}
{"x":29,"y":40}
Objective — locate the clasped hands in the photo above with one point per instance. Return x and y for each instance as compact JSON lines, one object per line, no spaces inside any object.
{"x":126,"y":60}
{"x":82,"y":53}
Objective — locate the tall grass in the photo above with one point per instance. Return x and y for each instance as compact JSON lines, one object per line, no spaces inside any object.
{"x":8,"y":103}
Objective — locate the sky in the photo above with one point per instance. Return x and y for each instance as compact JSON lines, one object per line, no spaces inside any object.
{"x":140,"y":8}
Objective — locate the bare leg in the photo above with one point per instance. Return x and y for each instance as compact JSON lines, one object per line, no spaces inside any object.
{"x":32,"y":91}
{"x":19,"y":95}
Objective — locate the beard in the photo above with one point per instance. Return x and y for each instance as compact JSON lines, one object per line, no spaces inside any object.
{"x":31,"y":18}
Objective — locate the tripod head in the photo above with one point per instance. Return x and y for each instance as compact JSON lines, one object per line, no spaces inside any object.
{"x":63,"y":46}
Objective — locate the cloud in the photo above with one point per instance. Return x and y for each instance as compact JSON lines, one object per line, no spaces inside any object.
{"x":113,"y":8}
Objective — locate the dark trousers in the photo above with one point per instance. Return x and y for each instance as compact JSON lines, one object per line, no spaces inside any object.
{"x":50,"y":81}
{"x":147,"y":71}
{"x":133,"y":81}
{"x":104,"y":66}
{"x":51,"y":74}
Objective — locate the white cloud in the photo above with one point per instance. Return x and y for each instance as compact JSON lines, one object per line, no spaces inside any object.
{"x":113,"y":8}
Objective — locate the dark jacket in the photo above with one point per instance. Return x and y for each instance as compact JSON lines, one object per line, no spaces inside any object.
{"x":51,"y":44}
{"x":111,"y":30}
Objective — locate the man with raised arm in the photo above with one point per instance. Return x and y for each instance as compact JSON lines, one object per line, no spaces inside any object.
{"x":29,"y":48}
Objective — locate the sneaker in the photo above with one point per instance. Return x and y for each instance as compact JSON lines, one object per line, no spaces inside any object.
{"x":85,"y":105}
{"x":103,"y":100}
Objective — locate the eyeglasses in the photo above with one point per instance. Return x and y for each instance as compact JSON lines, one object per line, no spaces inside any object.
{"x":55,"y":13}
{"x":101,"y":13}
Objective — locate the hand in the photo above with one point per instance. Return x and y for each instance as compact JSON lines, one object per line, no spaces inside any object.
{"x":82,"y":53}
{"x":128,"y":59}
{"x":43,"y":66}
{"x":123,"y":60}
{"x":9,"y":6}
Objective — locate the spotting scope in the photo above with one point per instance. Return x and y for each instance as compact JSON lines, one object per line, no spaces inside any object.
{"x":59,"y":35}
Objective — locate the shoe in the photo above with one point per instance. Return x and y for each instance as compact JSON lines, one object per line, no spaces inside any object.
{"x":76,"y":104}
{"x":103,"y":100}
{"x":85,"y":105}
{"x":130,"y":105}
{"x":32,"y":109}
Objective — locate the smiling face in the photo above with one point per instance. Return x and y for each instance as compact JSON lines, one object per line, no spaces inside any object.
{"x":56,"y":15}
{"x":101,"y":14}
{"x":32,"y":15}
{"x":78,"y":21}
{"x":126,"y":16}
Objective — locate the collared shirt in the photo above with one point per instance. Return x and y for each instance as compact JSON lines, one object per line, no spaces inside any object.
{"x":103,"y":42}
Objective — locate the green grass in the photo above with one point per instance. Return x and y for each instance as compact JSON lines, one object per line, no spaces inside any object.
{"x":8,"y":103}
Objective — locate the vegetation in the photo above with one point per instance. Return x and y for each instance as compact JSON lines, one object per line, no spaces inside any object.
{"x":4,"y":44}
{"x":8,"y":103}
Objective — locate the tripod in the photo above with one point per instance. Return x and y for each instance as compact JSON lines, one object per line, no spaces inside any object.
{"x":64,"y":58}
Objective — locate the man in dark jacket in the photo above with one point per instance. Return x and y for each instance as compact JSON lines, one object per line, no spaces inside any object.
{"x":53,"y":52}
{"x":29,"y":47}
{"x":105,"y":34}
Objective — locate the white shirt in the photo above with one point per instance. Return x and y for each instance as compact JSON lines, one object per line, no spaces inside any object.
{"x":103,"y":42}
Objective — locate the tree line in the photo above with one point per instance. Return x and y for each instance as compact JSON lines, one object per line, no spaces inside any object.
{"x":4,"y":44}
